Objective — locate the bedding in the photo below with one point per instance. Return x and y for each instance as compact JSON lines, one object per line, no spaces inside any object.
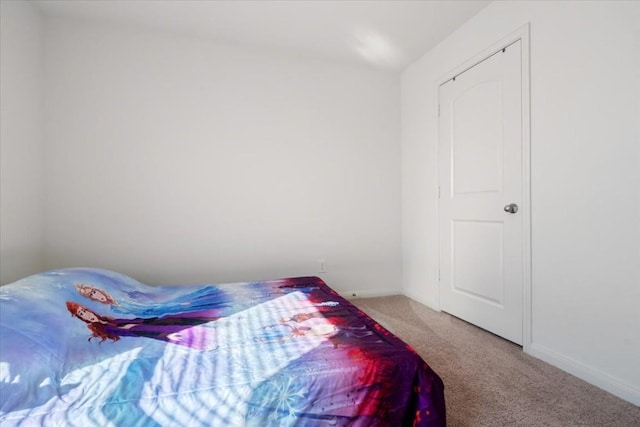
{"x":91,"y":347}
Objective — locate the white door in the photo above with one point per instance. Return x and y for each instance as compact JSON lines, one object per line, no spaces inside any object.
{"x":481,"y":235}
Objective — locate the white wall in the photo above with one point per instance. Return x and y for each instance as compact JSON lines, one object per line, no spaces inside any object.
{"x":180,"y":160}
{"x":21,"y":190}
{"x":585,"y":172}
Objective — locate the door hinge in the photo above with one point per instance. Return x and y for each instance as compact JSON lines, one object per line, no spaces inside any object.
{"x":438,"y":110}
{"x":438,"y":191}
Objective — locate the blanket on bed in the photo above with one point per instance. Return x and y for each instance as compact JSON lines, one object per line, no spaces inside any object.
{"x":94,"y":347}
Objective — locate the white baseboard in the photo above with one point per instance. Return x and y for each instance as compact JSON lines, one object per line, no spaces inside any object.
{"x":354,"y":294}
{"x":615,"y":386}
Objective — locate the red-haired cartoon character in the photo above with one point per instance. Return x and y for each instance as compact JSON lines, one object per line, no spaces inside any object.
{"x":181,"y":329}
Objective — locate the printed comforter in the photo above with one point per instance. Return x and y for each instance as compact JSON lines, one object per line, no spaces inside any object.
{"x":91,"y":347}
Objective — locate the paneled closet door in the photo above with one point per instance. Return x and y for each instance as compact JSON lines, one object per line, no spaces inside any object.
{"x":480,"y":175}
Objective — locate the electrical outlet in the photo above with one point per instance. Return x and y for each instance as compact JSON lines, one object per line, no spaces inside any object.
{"x":322,"y":266}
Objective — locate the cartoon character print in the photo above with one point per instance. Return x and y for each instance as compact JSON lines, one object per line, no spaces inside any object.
{"x":142,"y":304}
{"x":181,"y":329}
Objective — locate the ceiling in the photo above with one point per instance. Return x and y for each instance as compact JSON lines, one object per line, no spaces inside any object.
{"x":384,"y":34}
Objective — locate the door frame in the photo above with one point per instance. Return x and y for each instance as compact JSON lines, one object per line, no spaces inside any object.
{"x":522,"y":34}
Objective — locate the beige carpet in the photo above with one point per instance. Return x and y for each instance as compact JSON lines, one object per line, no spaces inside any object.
{"x":490,"y":381}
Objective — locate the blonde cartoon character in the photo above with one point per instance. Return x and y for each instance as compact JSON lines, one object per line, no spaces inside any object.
{"x":95,"y":294}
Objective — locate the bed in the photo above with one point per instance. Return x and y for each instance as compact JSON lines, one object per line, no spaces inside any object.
{"x":91,"y":347}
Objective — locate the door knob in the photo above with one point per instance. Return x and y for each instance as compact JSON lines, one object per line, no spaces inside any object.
{"x":512,"y":208}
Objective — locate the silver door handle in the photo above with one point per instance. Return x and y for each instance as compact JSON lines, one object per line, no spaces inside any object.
{"x":512,"y":208}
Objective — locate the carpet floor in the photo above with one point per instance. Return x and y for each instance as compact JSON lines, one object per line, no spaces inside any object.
{"x":490,"y":381}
